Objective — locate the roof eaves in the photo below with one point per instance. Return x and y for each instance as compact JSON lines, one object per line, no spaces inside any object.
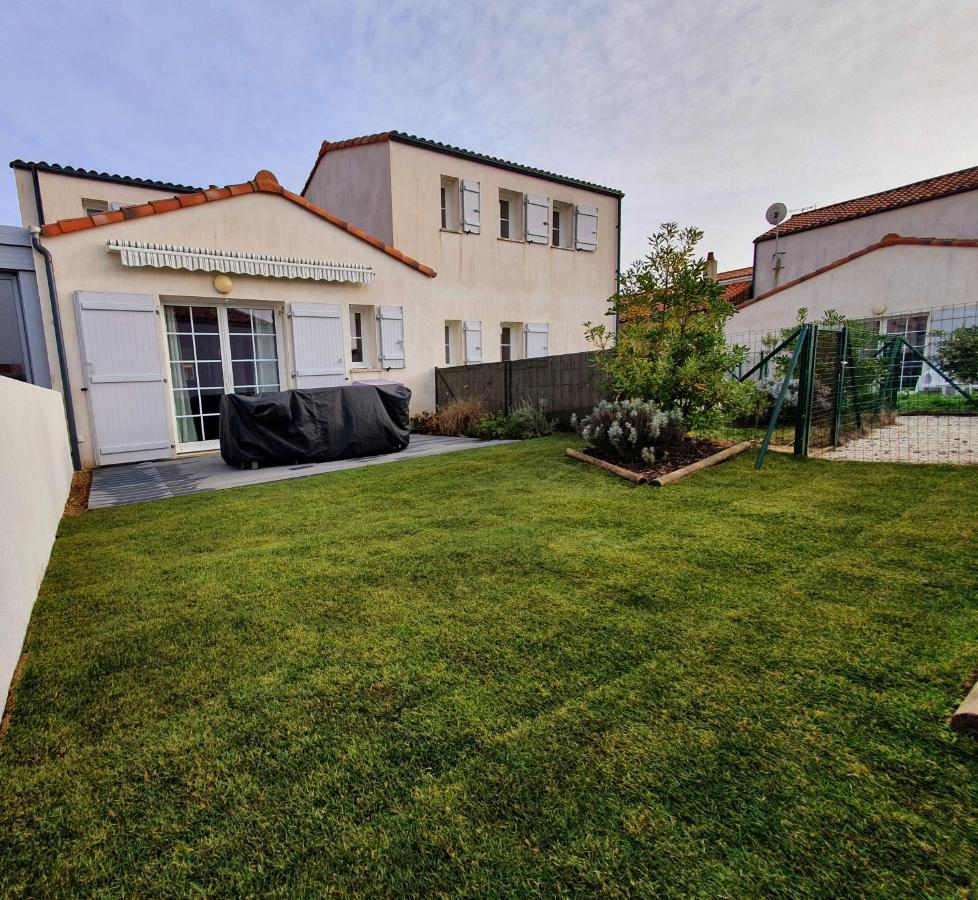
{"x":92,"y":175}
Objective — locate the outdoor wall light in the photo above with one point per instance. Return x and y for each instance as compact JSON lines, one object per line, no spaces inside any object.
{"x":223,"y":284}
{"x":878,"y":310}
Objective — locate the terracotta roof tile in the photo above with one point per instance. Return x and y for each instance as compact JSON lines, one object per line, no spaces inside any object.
{"x":264,"y":183}
{"x":890,"y":240}
{"x":909,"y":194}
{"x":737,"y":292}
{"x":92,"y":175}
{"x":735,"y":274}
{"x":405,"y":138}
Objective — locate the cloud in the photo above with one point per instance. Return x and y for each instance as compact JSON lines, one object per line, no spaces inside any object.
{"x":701,"y":113}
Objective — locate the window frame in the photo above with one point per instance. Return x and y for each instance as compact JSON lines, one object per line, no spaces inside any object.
{"x":451,"y":204}
{"x":562,"y":236}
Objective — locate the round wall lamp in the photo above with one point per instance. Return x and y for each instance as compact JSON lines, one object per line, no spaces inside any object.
{"x":223,"y":284}
{"x":878,"y":310}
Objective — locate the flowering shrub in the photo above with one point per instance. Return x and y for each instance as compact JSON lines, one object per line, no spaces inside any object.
{"x":631,"y":431}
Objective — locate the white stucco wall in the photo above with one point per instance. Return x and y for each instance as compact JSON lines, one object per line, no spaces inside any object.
{"x":901,"y":278}
{"x":806,"y":251}
{"x":355,"y":184}
{"x":255,"y":223}
{"x":35,"y":477}
{"x":62,"y":195}
{"x":480,"y":276}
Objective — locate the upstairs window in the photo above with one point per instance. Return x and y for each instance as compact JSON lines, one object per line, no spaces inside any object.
{"x":93,"y":207}
{"x":510,"y":215}
{"x":450,"y":204}
{"x":562,"y":225}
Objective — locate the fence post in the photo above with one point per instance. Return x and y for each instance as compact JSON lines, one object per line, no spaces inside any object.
{"x":806,"y":385}
{"x":841,"y":363}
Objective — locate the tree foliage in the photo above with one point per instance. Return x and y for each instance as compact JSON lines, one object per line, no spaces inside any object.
{"x":959,"y":354}
{"x":670,"y":346}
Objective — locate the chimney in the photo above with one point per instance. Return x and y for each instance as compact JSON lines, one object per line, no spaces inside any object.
{"x":711,"y":265}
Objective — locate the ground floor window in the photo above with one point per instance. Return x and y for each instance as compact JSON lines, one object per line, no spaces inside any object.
{"x":506,"y":343}
{"x":214,"y":350}
{"x":363,"y":343}
{"x":913,"y":329}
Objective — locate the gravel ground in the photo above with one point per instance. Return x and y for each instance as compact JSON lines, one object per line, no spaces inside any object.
{"x":915,"y":439}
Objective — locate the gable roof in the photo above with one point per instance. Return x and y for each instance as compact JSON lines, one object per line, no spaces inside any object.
{"x":736,"y":292}
{"x":264,"y":183}
{"x":890,"y":240}
{"x":92,"y":175}
{"x":871,"y":204}
{"x":735,"y":274}
{"x":402,"y":137}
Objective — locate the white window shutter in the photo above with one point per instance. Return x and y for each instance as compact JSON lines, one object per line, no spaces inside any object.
{"x":391,"y":320}
{"x":127,"y":388}
{"x":587,"y":228}
{"x":318,"y":348}
{"x":537,"y":219}
{"x":473,"y":341}
{"x":537,"y":339}
{"x":471,"y":216}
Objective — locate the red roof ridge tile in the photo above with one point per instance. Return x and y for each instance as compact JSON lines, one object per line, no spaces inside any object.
{"x":890,"y":240}
{"x":264,"y":182}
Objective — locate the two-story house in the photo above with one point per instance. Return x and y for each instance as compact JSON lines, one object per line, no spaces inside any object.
{"x":158,"y":298}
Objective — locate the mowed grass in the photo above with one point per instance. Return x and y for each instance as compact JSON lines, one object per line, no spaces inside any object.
{"x":504,"y":673}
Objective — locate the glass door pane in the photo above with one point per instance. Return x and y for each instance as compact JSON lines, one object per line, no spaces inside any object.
{"x":254,"y":354}
{"x":196,"y":371}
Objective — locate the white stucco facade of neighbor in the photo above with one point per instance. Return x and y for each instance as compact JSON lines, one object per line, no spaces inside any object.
{"x":903,"y":262}
{"x":168,"y":296}
{"x":35,"y":477}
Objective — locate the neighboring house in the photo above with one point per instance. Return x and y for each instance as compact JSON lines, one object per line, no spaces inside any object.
{"x":253,"y":288}
{"x":903,"y":261}
{"x":23,"y":354}
{"x":736,"y":284}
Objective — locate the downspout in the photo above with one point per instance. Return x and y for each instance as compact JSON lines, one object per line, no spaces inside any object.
{"x":618,"y":266}
{"x":56,"y":318}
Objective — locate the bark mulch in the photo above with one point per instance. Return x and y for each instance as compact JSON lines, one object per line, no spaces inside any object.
{"x":81,"y":484}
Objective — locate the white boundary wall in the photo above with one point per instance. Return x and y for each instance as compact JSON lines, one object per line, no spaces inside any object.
{"x":35,"y":477}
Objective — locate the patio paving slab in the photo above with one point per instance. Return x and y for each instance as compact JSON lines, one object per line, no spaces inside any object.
{"x":140,"y":482}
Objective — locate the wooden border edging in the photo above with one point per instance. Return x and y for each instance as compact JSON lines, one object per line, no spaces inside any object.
{"x":721,"y":456}
{"x":633,"y":477}
{"x":965,"y":719}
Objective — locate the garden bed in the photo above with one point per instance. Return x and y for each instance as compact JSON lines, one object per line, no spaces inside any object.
{"x":688,"y":457}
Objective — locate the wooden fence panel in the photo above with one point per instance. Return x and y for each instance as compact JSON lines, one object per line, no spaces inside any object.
{"x":569,"y":383}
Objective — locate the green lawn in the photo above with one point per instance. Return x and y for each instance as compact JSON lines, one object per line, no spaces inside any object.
{"x":502,"y":672}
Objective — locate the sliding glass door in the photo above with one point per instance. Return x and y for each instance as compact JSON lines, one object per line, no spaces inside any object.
{"x":214,"y":350}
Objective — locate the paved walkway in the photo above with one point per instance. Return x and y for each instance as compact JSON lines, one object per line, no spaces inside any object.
{"x":137,"y":482}
{"x":915,"y":439}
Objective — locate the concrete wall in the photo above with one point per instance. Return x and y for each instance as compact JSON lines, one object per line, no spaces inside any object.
{"x":355,"y":184}
{"x":901,"y":278}
{"x":949,"y":217}
{"x":35,"y":477}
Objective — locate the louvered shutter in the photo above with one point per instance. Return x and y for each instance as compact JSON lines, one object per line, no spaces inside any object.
{"x":473,"y":341}
{"x":471,"y":216}
{"x":317,"y":345}
{"x":537,"y":339}
{"x":537,"y":219}
{"x":587,"y":228}
{"x":391,"y":320}
{"x":120,"y":342}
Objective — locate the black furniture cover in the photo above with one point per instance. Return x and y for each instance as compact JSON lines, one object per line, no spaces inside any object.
{"x":314,"y":425}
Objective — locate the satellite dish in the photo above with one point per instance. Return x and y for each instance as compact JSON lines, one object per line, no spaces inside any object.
{"x":776,"y":213}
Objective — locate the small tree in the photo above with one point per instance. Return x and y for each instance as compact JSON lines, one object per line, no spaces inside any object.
{"x":959,"y":354}
{"x":670,"y":347}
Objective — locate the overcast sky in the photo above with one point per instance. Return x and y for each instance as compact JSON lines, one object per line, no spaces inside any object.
{"x":701,"y":113}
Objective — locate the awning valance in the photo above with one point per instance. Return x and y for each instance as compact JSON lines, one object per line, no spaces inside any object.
{"x":231,"y":262}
